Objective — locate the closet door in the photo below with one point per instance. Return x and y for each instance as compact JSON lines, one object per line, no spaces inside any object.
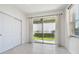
{"x":1,"y":33}
{"x":12,"y":32}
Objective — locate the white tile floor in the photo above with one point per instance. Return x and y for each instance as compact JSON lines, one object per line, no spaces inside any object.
{"x":37,"y":48}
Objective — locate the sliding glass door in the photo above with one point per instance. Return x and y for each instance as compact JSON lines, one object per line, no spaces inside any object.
{"x":44,"y":30}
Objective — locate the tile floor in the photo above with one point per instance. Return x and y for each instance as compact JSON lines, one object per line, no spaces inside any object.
{"x":37,"y":48}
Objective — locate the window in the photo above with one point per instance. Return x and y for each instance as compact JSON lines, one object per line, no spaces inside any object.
{"x":74,"y":20}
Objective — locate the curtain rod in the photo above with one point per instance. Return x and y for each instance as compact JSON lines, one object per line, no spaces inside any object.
{"x":46,"y":15}
{"x":69,"y":6}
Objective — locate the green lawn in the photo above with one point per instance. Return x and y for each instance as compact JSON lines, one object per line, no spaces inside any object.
{"x":45,"y":38}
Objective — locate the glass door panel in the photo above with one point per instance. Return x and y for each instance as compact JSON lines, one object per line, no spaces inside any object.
{"x":37,"y":30}
{"x":49,"y":30}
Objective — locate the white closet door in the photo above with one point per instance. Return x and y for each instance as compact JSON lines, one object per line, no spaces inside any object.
{"x":12,"y":32}
{"x":1,"y":33}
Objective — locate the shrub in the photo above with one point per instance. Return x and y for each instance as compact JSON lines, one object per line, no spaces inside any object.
{"x":45,"y":34}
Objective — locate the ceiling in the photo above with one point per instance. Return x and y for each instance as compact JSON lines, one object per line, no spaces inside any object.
{"x":35,"y":8}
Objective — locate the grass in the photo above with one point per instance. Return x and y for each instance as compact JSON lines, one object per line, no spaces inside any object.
{"x":45,"y":38}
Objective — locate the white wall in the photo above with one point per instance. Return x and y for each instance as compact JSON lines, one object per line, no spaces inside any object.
{"x":73,"y":46}
{"x":13,"y":11}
